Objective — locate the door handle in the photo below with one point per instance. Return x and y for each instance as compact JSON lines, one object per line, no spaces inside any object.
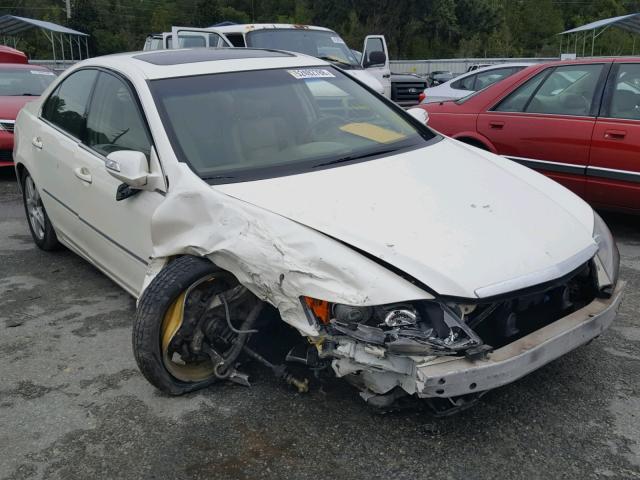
{"x":496,"y":125}
{"x":83,"y":174}
{"x":37,"y":142}
{"x":615,"y":134}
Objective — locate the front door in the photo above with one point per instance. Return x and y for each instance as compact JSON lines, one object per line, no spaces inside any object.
{"x":116,"y":233}
{"x":613,"y":175}
{"x":547,"y":122}
{"x":375,"y":64}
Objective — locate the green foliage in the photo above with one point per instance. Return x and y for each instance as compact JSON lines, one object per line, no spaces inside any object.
{"x":414,"y":28}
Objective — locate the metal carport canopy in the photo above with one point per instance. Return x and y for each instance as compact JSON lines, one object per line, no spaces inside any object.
{"x":13,"y":25}
{"x":630,"y":23}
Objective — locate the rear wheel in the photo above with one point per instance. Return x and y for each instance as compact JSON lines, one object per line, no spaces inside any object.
{"x":181,"y":330}
{"x":42,"y":232}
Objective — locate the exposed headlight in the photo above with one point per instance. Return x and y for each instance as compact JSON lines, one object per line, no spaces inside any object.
{"x":607,"y":259}
{"x":409,"y":328}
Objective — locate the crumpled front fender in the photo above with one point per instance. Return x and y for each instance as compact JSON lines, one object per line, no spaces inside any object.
{"x":277,"y":259}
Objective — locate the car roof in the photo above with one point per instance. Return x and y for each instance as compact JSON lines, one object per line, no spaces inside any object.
{"x":248,"y":27}
{"x":157,"y":64}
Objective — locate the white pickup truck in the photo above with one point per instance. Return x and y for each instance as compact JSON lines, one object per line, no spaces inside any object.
{"x":372,"y":69}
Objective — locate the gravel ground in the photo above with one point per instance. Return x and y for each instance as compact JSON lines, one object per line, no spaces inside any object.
{"x":73,"y":404}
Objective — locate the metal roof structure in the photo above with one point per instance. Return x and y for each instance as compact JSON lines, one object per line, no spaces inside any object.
{"x":630,"y":23}
{"x":11,"y":26}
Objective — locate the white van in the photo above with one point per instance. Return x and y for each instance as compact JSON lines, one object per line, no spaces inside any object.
{"x":372,"y":69}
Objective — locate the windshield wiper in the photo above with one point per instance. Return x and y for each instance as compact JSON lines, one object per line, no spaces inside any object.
{"x":25,"y":95}
{"x":338,"y":61}
{"x":218,"y":177}
{"x":349,"y":158}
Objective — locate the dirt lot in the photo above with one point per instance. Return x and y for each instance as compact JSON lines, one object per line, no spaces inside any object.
{"x":73,"y":405}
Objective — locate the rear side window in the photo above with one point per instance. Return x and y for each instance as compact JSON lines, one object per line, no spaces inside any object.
{"x":114,"y":121}
{"x":625,"y":97}
{"x":236,"y":39}
{"x":567,"y":90}
{"x":67,"y":105}
{"x":464,"y":83}
{"x":485,"y":79}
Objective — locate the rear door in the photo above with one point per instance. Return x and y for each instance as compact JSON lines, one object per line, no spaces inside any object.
{"x":54,"y":147}
{"x":381,"y":71}
{"x":613,"y":175}
{"x":187,"y":37}
{"x":546,"y":123}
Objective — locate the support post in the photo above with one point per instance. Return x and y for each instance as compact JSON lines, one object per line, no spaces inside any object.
{"x":593,"y":41}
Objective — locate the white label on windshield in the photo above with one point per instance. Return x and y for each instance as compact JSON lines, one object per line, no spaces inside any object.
{"x":311,"y":73}
{"x":41,"y":72}
{"x":337,"y":40}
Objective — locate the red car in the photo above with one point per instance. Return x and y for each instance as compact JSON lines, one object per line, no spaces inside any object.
{"x":19,"y":84}
{"x":577,"y":122}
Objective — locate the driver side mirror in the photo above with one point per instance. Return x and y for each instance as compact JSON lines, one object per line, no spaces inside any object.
{"x":128,"y":166}
{"x":419,"y":114}
{"x":375,"y":58}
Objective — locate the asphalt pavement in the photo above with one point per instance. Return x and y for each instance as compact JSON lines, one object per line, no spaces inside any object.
{"x":74,"y":406}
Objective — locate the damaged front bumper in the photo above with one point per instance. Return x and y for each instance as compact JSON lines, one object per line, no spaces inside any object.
{"x":460,"y":376}
{"x":376,"y":372}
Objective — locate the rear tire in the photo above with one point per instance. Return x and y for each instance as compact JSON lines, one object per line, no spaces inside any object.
{"x":154,"y":305}
{"x":42,"y":232}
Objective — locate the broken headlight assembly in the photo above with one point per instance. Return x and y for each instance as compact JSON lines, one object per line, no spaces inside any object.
{"x":407,"y":328}
{"x":607,"y":260}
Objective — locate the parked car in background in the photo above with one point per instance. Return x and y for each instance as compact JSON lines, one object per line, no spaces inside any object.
{"x":406,"y":88}
{"x":470,"y":82}
{"x":438,"y":77}
{"x":476,"y":66}
{"x":19,"y":84}
{"x":576,"y":121}
{"x":218,"y":184}
{"x":11,"y":55}
{"x":372,"y":68}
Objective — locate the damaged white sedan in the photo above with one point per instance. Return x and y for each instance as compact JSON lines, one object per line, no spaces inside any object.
{"x":233,"y":187}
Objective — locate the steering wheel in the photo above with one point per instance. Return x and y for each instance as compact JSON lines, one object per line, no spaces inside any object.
{"x":322,"y":126}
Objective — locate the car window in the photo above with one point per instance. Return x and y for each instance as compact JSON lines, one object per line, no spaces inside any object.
{"x":17,"y":82}
{"x":485,"y":79}
{"x":236,"y":39}
{"x":568,"y":90}
{"x":518,"y":99}
{"x":565,"y":90}
{"x":464,"y":83}
{"x":67,"y":105}
{"x":261,"y":124}
{"x":625,"y":99}
{"x":114,"y":121}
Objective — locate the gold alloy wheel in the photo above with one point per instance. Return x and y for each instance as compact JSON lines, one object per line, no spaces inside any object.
{"x":183,"y":371}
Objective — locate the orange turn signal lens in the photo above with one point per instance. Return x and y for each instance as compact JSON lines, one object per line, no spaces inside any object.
{"x":320,"y":308}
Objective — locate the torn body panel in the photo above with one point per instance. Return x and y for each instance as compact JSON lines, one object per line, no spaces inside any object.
{"x":277,"y":259}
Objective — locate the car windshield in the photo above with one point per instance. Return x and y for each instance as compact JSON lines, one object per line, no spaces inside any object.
{"x":257,"y":124}
{"x":317,"y":43}
{"x":24,"y":82}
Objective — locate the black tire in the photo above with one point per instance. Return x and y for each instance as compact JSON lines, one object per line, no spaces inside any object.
{"x":157,"y":298}
{"x":45,"y":236}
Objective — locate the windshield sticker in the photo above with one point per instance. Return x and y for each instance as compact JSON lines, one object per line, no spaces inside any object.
{"x":372,"y":132}
{"x":337,"y":40}
{"x":311,"y":73}
{"x":41,"y":72}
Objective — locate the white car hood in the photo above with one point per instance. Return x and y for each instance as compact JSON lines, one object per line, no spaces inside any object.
{"x":463,"y":222}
